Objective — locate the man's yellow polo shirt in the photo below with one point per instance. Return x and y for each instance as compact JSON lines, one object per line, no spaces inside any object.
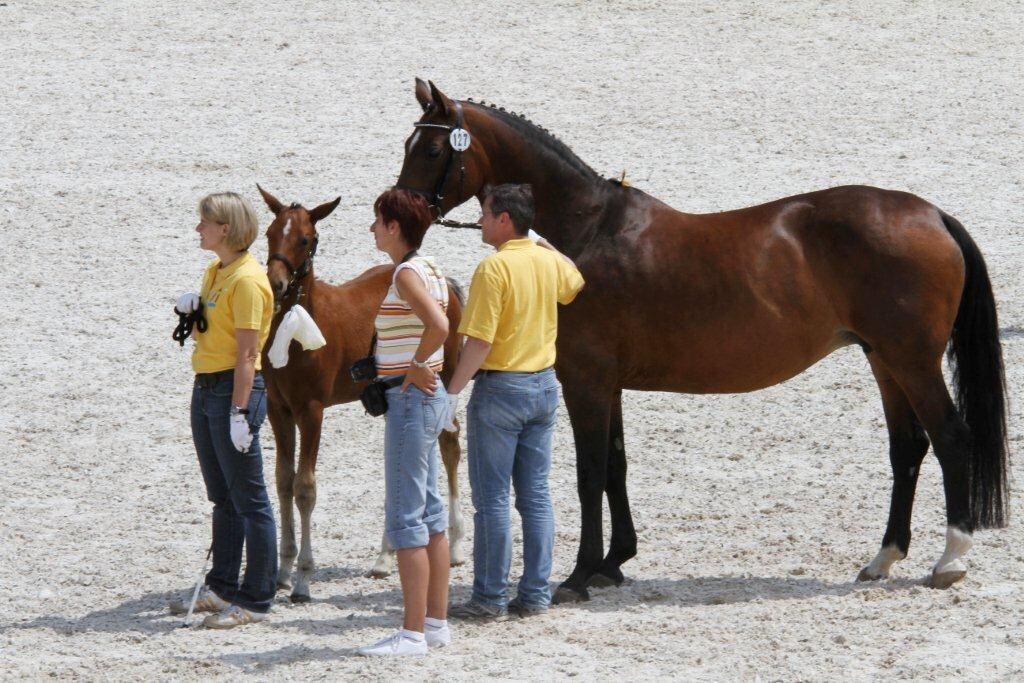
{"x":235,"y":297}
{"x":513,"y":305}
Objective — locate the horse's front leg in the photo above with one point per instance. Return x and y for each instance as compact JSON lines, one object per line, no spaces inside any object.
{"x":451,"y":453}
{"x":310,"y":424}
{"x":283,"y":424}
{"x":590,"y":411}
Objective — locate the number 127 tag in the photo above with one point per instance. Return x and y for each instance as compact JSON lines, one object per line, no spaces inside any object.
{"x":459,"y":139}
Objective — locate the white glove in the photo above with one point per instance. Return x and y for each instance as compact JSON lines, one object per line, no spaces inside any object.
{"x":453,"y":407}
{"x":187,"y":303}
{"x":534,"y":237}
{"x":240,"y":434}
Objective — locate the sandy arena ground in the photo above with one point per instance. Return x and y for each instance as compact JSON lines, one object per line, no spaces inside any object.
{"x":755,"y":512}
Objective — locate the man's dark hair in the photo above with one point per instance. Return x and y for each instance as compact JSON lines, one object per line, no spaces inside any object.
{"x":516,"y":201}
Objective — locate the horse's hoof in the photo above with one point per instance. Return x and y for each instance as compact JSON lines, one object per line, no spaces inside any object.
{"x":945,"y":579}
{"x":565,"y":595}
{"x":457,"y":562}
{"x":377,"y":574}
{"x":604,"y":580}
{"x":867,"y":575}
{"x":299,"y":598}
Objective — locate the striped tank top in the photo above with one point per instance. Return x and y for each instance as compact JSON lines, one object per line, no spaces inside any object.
{"x":399,"y":329}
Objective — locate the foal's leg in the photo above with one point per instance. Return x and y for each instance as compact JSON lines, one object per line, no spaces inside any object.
{"x":385,"y":563}
{"x":283,"y":423}
{"x":310,"y":424}
{"x":950,"y":437}
{"x":590,"y":410}
{"x":908,"y":445}
{"x":623,"y":541}
{"x":451,"y":453}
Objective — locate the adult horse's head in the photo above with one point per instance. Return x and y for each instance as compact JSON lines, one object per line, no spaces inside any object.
{"x":445,"y":165}
{"x":291,"y":242}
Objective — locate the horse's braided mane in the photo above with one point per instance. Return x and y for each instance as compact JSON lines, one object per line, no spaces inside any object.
{"x":533,"y":131}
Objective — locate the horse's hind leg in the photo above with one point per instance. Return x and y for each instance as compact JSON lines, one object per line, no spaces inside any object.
{"x":623,"y":542}
{"x":950,"y":438}
{"x":385,"y":562}
{"x":311,"y":422}
{"x":451,"y":453}
{"x":908,"y":445}
{"x":283,"y":424}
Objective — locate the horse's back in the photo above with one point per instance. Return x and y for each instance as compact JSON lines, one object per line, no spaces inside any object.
{"x":744,"y":299}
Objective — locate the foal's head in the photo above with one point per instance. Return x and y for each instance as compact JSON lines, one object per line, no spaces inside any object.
{"x":291,"y":241}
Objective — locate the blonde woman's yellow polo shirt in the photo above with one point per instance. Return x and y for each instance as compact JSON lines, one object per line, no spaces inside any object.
{"x":513,"y":305}
{"x":235,"y":297}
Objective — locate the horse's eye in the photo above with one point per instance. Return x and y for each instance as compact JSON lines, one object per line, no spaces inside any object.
{"x":305,"y":241}
{"x":434,"y":152}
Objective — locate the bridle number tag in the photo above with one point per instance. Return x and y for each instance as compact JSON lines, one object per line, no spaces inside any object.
{"x":459,"y":139}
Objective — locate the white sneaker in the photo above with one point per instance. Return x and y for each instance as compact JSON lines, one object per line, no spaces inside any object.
{"x":208,"y":601}
{"x":438,"y":637}
{"x":232,"y":616}
{"x":395,"y":646}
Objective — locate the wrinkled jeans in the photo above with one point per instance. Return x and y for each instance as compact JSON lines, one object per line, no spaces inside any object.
{"x":242,"y":515}
{"x":413,"y":510}
{"x":511,"y":417}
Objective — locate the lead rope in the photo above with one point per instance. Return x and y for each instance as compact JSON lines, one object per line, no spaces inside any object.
{"x":185,"y":323}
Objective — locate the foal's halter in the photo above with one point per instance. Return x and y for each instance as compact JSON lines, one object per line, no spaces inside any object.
{"x":453,"y":154}
{"x":296,"y":275}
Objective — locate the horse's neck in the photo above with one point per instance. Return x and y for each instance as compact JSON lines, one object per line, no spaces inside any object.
{"x":307,"y":301}
{"x":571,"y":203}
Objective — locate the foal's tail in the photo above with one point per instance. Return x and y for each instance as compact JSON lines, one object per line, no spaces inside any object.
{"x":976,"y":359}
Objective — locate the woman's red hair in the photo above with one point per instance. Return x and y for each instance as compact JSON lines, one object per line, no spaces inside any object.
{"x":411,"y":211}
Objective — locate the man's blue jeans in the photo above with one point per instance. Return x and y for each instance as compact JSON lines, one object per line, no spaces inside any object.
{"x":511,"y":419}
{"x":242,"y":515}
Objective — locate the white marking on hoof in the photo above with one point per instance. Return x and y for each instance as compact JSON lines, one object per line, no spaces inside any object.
{"x":385,"y":562}
{"x":879,"y":567}
{"x":957,"y":544}
{"x":456,"y":532}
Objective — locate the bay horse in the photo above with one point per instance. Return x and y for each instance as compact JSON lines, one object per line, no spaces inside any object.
{"x":741,"y":300}
{"x":298,"y":392}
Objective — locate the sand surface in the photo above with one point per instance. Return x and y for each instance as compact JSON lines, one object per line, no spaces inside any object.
{"x":754,"y":512}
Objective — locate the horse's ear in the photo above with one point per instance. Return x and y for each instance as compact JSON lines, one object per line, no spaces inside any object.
{"x":441,"y":100}
{"x":423,"y":94}
{"x":323,"y":211}
{"x":272,"y":203}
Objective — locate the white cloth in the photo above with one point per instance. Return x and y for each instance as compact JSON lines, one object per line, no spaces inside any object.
{"x":298,"y":325}
{"x":534,"y":237}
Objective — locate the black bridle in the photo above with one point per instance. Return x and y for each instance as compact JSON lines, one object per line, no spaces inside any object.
{"x":296,"y":275}
{"x":454,"y":156}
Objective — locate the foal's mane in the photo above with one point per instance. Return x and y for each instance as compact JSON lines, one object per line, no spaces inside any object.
{"x":535,"y":133}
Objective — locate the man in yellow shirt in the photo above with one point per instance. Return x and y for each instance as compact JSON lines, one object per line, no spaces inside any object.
{"x":510,"y":323}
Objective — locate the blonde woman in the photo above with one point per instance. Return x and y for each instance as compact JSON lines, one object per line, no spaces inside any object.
{"x":228,"y":407}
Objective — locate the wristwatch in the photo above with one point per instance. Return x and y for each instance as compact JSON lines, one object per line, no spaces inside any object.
{"x":237,"y":410}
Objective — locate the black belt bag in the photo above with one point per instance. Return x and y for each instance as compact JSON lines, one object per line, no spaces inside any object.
{"x":373,"y":398}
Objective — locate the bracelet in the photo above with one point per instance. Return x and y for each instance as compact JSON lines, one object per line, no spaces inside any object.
{"x":420,"y":365}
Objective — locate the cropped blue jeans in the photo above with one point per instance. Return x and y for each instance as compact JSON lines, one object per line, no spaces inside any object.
{"x":511,"y":417}
{"x":413,"y":509}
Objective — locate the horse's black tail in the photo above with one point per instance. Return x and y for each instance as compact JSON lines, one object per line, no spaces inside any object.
{"x":976,"y":359}
{"x":460,"y":294}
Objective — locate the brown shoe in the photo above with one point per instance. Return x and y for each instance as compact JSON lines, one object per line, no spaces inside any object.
{"x":233,"y":616}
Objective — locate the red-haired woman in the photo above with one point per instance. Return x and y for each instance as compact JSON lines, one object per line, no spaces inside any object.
{"x":411,"y":329}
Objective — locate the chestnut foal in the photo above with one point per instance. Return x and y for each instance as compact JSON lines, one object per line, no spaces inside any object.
{"x":312,"y":380}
